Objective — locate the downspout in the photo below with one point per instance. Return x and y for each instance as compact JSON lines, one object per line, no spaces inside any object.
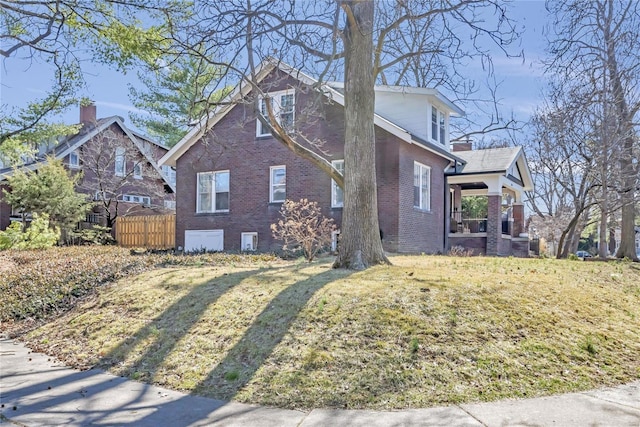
{"x":447,"y":216}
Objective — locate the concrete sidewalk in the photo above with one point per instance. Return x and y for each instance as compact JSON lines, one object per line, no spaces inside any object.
{"x":35,"y":390}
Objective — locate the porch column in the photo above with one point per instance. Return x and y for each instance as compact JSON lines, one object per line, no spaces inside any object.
{"x":457,"y":209}
{"x":518,"y":219}
{"x":494,"y":223}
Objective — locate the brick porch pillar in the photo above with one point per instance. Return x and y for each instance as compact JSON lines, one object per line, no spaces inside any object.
{"x":518,"y":219}
{"x":494,"y":223}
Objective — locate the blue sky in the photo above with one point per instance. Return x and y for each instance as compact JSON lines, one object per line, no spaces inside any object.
{"x":520,"y":88}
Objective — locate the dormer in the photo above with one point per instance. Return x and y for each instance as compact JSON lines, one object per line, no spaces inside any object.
{"x":423,"y":112}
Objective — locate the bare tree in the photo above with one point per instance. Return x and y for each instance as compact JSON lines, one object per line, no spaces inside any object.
{"x":601,"y":40}
{"x":119,"y":177}
{"x":562,"y":164}
{"x":360,"y":42}
{"x":63,"y":34}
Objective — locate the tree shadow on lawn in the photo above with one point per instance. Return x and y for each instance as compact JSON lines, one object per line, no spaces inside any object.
{"x":245,"y":357}
{"x":258,"y":342}
{"x":165,"y":332}
{"x":255,"y":346}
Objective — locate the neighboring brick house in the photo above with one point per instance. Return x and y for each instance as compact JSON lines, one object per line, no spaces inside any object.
{"x":119,"y":166}
{"x":232,"y":176}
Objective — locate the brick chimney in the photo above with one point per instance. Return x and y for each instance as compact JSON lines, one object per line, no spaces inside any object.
{"x":88,"y":114}
{"x":462,"y":145}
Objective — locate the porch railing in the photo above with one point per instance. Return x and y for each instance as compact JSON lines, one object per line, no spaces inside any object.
{"x":462,"y":223}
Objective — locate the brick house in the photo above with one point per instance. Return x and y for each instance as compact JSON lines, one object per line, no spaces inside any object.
{"x":120,"y":170}
{"x":232,"y":175}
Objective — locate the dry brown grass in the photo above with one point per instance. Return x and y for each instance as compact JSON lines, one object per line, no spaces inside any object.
{"x":425,"y":331}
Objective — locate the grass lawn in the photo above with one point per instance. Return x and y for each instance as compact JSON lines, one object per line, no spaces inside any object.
{"x":426,"y":331}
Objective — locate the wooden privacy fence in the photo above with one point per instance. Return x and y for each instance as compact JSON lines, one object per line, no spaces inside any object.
{"x":149,"y":231}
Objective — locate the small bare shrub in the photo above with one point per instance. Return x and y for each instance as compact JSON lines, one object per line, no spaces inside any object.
{"x":303,"y":227}
{"x":460,"y":251}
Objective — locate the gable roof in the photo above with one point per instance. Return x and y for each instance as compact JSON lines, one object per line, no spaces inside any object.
{"x":70,"y":143}
{"x":329,"y":90}
{"x":510,"y":161}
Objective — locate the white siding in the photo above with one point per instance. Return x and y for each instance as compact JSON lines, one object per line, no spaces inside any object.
{"x":409,"y":111}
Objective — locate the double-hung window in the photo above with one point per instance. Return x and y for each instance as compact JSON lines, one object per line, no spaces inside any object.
{"x":284,"y":107}
{"x":421,"y":186}
{"x":278,"y":184}
{"x":213,"y":192}
{"x":438,"y":125}
{"x":120,"y":164}
{"x":74,"y":159}
{"x":169,"y":173}
{"x":134,"y":198}
{"x":137,"y":170}
{"x":337,"y":196}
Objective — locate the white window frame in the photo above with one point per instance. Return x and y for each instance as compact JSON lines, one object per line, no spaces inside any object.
{"x":169,"y":174}
{"x":335,"y":189}
{"x":212,"y":176}
{"x":137,"y":170}
{"x":74,"y":159}
{"x":276,"y":99}
{"x":120,"y":163}
{"x":170,"y":204}
{"x":254,"y":241}
{"x":272,"y":185}
{"x":135,"y":198}
{"x":335,"y":240}
{"x":438,"y":128}
{"x":423,"y":204}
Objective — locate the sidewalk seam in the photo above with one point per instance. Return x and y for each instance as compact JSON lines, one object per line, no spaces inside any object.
{"x":471,"y":415}
{"x":635,"y":408}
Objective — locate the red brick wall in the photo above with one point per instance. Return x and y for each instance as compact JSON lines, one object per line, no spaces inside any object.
{"x":477,"y":244}
{"x":421,"y":231}
{"x":151,"y":185}
{"x":232,"y":145}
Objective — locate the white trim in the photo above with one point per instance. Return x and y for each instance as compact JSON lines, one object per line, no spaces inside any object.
{"x":335,"y":237}
{"x":334,"y":186}
{"x":276,"y":99}
{"x":214,"y":193}
{"x":254,"y":241}
{"x":137,"y":174}
{"x":421,"y":202}
{"x":76,"y":164}
{"x":271,"y":183}
{"x":120,"y":162}
{"x":244,"y":88}
{"x":135,"y":198}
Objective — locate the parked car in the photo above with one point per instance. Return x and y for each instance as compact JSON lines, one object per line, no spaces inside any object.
{"x":583,"y":254}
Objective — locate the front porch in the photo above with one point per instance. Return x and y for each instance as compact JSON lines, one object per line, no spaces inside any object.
{"x":486,"y":212}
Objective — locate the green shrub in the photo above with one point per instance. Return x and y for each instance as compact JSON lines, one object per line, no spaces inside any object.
{"x":37,"y":236}
{"x":36,"y":284}
{"x":97,"y":235}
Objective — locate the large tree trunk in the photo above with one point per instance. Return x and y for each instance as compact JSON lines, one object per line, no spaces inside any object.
{"x":628,"y":170}
{"x":602,"y":233}
{"x":360,"y":245}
